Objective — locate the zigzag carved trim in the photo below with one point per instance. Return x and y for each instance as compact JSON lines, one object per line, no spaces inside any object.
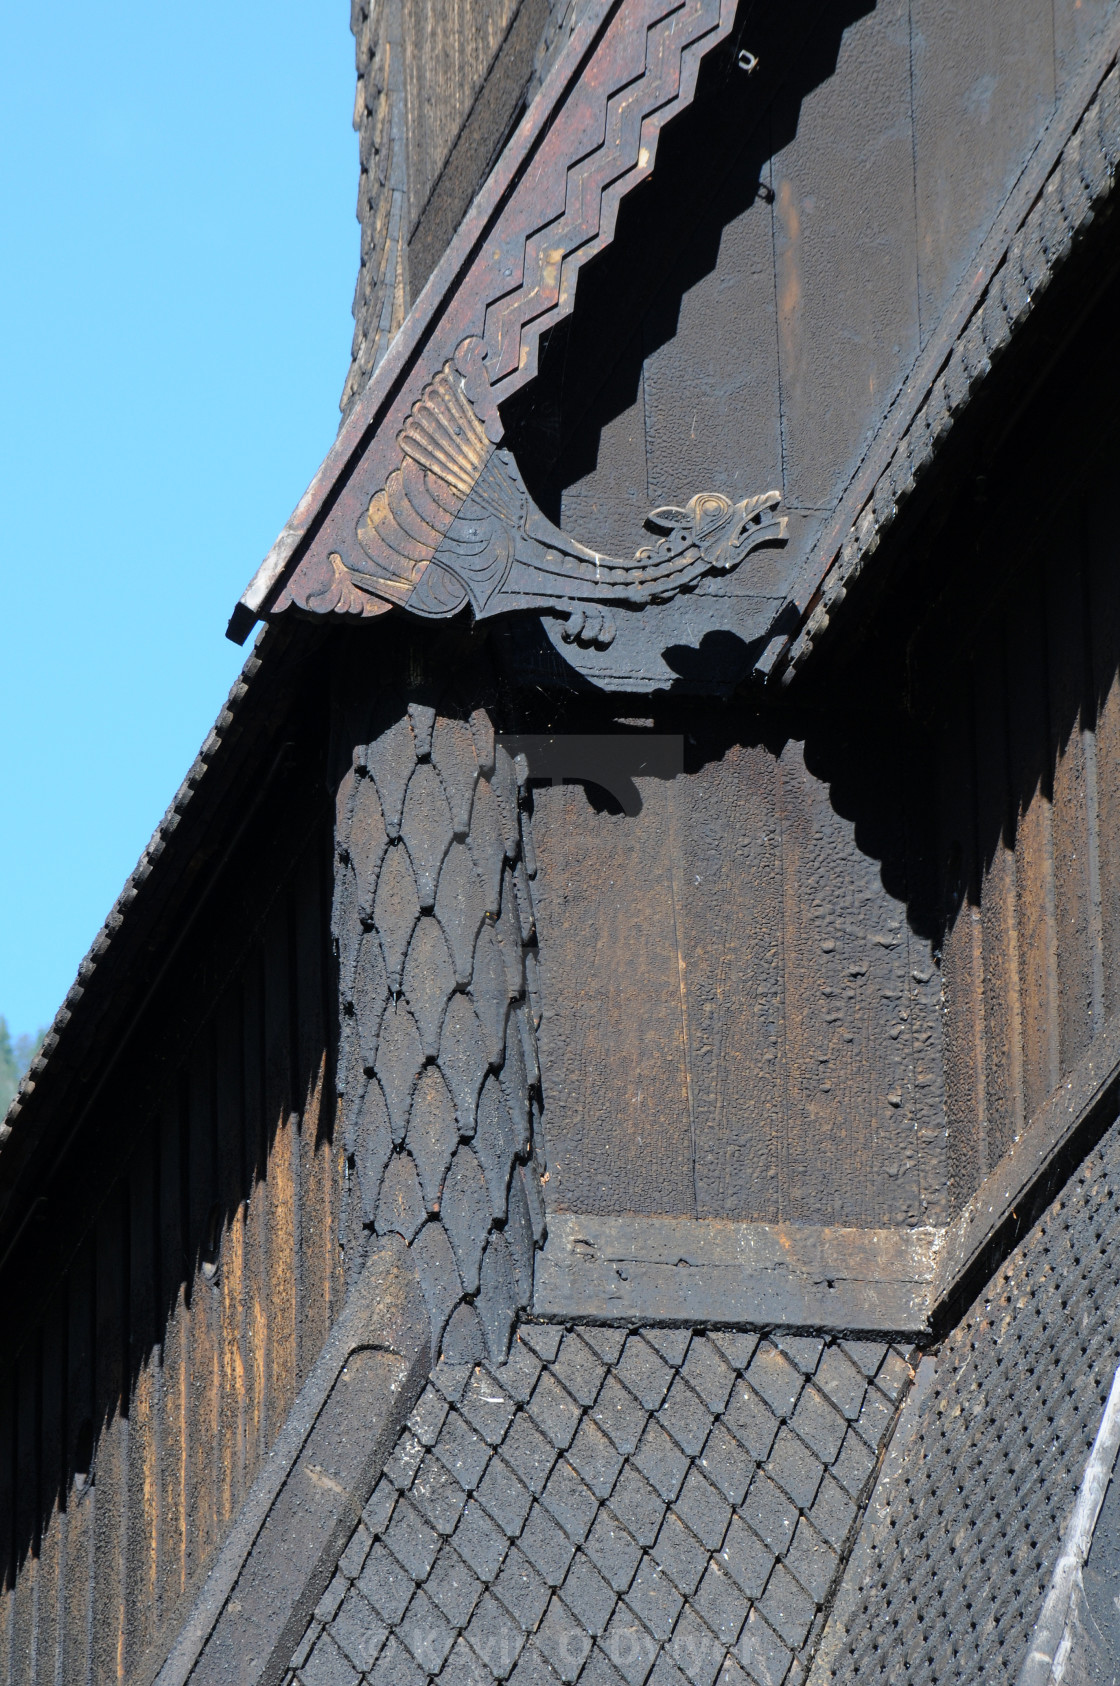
{"x":549,"y":205}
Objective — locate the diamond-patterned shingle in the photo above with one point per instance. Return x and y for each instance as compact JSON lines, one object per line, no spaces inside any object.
{"x":595,"y":1458}
{"x":643,"y":1372}
{"x":775,"y":1379}
{"x":547,"y":1546}
{"x":588,"y":1595}
{"x":619,"y":1415}
{"x":529,"y":1454}
{"x":570,"y":1501}
{"x":606,"y":1509}
{"x":580,"y":1371}
{"x":686,"y":1417}
{"x":612,"y":1550}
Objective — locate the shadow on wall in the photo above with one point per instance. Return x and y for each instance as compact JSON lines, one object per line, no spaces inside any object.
{"x":668,"y":238}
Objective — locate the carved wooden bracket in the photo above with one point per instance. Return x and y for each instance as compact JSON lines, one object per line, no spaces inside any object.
{"x":416,"y":505}
{"x":454,"y":525}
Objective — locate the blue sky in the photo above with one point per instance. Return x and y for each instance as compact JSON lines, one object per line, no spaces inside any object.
{"x":177,"y":189}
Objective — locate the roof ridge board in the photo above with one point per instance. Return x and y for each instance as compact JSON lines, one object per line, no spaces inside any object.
{"x":785,"y":655}
{"x":586,"y":140}
{"x":366,"y":412}
{"x":137,"y":899}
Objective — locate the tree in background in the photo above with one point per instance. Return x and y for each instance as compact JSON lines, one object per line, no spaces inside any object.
{"x":14,"y":1060}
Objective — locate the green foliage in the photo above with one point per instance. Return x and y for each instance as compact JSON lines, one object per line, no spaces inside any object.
{"x":14,"y":1060}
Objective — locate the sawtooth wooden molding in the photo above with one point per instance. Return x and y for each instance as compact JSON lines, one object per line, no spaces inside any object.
{"x":366,"y":531}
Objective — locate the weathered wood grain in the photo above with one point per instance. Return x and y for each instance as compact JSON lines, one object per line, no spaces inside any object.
{"x":734,"y":986}
{"x":845,"y":251}
{"x":983,"y":88}
{"x":679,"y":1270}
{"x":617,"y":1125}
{"x":710,"y":383}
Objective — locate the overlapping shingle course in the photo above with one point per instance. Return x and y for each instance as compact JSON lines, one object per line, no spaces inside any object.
{"x":655,"y":1506}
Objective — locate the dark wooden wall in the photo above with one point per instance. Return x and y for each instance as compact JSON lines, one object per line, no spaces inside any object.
{"x":740,"y":1018}
{"x":1032,"y":842}
{"x":770,"y":287}
{"x":184,"y":1276}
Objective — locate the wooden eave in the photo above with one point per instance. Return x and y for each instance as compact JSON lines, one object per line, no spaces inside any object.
{"x":547,"y":207}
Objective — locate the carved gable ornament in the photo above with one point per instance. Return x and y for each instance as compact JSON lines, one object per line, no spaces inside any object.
{"x":419,"y":505}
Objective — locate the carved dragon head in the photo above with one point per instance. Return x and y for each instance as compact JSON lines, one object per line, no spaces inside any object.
{"x":723,"y":532}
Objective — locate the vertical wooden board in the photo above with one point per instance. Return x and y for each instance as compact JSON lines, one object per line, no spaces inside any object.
{"x":1076,"y":897}
{"x":612,"y":1040}
{"x":1078,"y":26}
{"x":318,"y":1245}
{"x":1022,"y":639}
{"x":845,"y":253}
{"x":230,"y":1283}
{"x":962,"y":956}
{"x":1103,"y":554}
{"x":726,"y":853}
{"x":926,"y":1023}
{"x":78,"y":1616}
{"x":52,"y":1550}
{"x":711,"y":389}
{"x":176,"y":1493}
{"x":205,"y":1348}
{"x":983,"y":88}
{"x":606,"y":505}
{"x":448,"y":50}
{"x":142,"y":1546}
{"x":26,"y":1374}
{"x":8,"y":1455}
{"x":852,"y":1150}
{"x":111,"y":1484}
{"x":998,"y":910}
{"x":255,"y":1141}
{"x":282,"y":1174}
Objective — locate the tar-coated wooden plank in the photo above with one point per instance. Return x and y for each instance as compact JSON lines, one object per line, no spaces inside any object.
{"x":229,"y":1280}
{"x":1075,"y":913}
{"x":204,"y":1362}
{"x":111,"y":1479}
{"x":983,"y":88}
{"x":27,"y":1377}
{"x":845,"y":250}
{"x":281,"y":1190}
{"x":8,"y":1453}
{"x":144,"y":1323}
{"x":81,"y":1496}
{"x":1078,"y":25}
{"x":1024,"y":639}
{"x":711,"y":376}
{"x":612,"y":1034}
{"x":607,"y":503}
{"x":852,"y":1150}
{"x":1103,"y":583}
{"x":962,"y":962}
{"x":52,"y":1562}
{"x":998,"y":908}
{"x":448,"y":51}
{"x":175,"y":1493}
{"x":726,"y":846}
{"x":255,"y":1147}
{"x":318,"y":1183}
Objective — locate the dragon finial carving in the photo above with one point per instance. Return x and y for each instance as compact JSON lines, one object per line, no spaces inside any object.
{"x":455,"y":526}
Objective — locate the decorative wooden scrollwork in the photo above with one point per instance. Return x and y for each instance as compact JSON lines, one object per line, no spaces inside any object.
{"x":454,"y":525}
